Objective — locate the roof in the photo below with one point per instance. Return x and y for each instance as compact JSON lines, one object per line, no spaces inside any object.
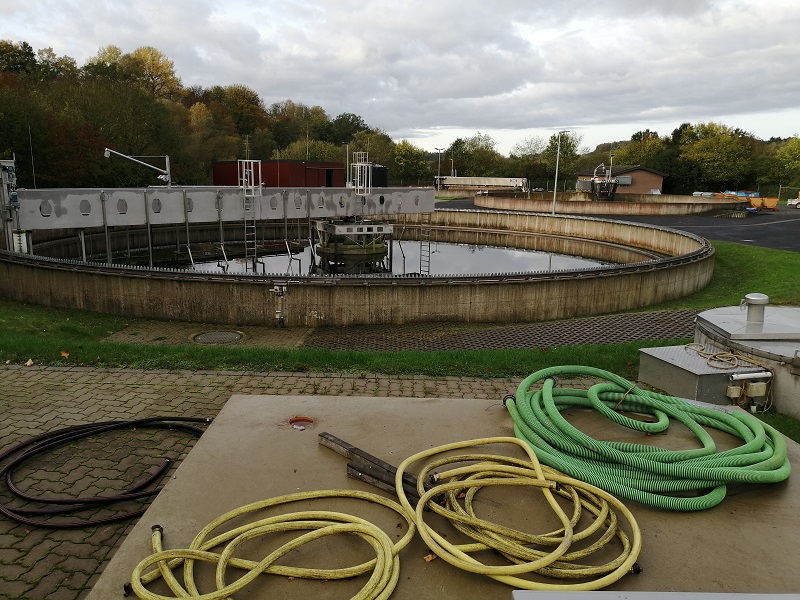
{"x":623,"y":169}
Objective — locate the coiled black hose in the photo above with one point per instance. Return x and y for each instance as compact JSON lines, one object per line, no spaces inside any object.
{"x":54,"y":506}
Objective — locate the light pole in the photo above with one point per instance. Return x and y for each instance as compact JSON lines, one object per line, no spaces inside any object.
{"x":555,"y":180}
{"x":452,"y":168}
{"x":165,"y":173}
{"x":439,"y":171}
{"x":346,"y":164}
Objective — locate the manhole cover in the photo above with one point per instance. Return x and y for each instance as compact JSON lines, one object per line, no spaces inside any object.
{"x":217,"y":337}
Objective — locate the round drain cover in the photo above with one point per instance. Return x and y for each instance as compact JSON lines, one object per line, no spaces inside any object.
{"x":217,"y":337}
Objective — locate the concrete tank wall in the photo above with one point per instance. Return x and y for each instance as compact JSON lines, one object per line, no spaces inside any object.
{"x":580,"y":203}
{"x":308,"y":301}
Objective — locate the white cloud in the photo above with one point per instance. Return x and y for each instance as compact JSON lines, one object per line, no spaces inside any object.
{"x":433,"y":71}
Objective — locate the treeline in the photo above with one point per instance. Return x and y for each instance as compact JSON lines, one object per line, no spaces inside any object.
{"x":57,"y":118}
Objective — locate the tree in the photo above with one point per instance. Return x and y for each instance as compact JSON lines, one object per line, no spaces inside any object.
{"x":475,"y":156}
{"x":377,"y":144}
{"x":51,"y":66}
{"x":245,"y":108}
{"x":565,"y":153}
{"x":262,"y":144}
{"x":722,"y":156}
{"x":17,"y":58}
{"x":531,"y":146}
{"x":526,"y":161}
{"x":284,"y":122}
{"x":410,"y":163}
{"x":312,"y":150}
{"x":788,"y":158}
{"x":646,"y":148}
{"x":104,"y":64}
{"x":153,"y":71}
{"x":345,"y":126}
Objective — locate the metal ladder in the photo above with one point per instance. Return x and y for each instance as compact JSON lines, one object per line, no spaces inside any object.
{"x":425,"y":244}
{"x":250,"y":184}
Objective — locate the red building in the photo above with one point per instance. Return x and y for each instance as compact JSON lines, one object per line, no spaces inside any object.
{"x":284,"y":173}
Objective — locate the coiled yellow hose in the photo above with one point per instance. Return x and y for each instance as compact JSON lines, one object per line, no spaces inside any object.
{"x":483,"y":470}
{"x":385,"y":566}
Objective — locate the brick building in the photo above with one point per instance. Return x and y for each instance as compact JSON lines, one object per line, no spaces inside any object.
{"x":631,"y":179}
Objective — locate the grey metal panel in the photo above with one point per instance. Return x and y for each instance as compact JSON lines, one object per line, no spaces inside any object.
{"x":125,"y":207}
{"x":82,"y":208}
{"x":165,"y":205}
{"x":270,"y":205}
{"x":232,"y":206}
{"x":200,"y":203}
{"x":56,"y":209}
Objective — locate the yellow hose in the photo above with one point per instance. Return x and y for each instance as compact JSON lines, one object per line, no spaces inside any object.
{"x":482,"y":470}
{"x":385,"y":566}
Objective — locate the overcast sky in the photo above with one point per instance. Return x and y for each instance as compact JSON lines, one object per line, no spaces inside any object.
{"x":431,"y":71}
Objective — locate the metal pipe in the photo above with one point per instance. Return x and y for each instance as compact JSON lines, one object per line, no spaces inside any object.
{"x":756,"y":375}
{"x":756,"y":304}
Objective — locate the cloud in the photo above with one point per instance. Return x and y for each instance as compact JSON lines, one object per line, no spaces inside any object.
{"x":420,"y":68}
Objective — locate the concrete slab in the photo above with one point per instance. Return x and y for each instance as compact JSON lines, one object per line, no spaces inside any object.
{"x":251,"y":452}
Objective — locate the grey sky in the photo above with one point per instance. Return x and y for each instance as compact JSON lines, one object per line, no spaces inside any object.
{"x":431,"y":71}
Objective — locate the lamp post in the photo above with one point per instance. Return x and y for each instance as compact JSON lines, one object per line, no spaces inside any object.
{"x":439,"y":171}
{"x":165,"y":173}
{"x":452,"y":168}
{"x":555,"y":180}
{"x":346,"y":164}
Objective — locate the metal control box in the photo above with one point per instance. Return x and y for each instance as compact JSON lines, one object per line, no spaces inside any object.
{"x":682,"y":372}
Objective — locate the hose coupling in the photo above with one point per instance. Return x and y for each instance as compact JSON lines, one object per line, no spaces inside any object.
{"x":636,"y":568}
{"x":157,"y":528}
{"x":127,"y":589}
{"x":506,"y":398}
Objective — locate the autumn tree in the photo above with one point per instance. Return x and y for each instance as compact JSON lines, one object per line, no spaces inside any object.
{"x":153,"y":71}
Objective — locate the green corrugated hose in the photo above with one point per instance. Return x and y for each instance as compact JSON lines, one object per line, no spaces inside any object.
{"x":693,"y":479}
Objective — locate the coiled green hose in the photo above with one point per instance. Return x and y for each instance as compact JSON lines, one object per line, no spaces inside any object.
{"x":645,"y":473}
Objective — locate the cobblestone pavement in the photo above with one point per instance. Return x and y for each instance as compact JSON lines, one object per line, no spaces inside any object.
{"x":39,"y":564}
{"x":664,"y":324}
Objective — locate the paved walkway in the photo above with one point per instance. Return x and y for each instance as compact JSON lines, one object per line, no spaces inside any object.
{"x":665,"y":324}
{"x":37,"y":563}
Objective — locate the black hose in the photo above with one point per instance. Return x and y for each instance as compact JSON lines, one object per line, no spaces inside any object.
{"x":35,"y":446}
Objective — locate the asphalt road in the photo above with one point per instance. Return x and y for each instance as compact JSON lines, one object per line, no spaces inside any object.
{"x":779,"y":229}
